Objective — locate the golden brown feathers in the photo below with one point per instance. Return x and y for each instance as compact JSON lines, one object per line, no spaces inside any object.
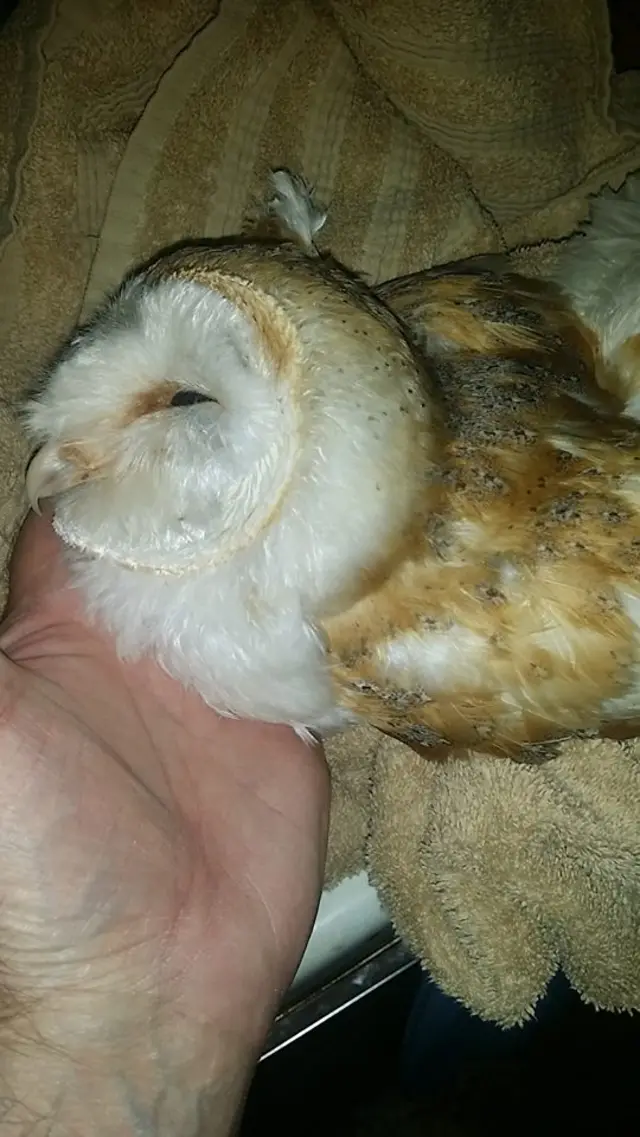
{"x":510,"y":619}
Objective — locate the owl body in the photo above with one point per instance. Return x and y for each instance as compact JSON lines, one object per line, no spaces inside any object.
{"x":319,"y":505}
{"x":512,"y":620}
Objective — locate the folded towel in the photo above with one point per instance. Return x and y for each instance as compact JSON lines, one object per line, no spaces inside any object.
{"x":518,"y":93}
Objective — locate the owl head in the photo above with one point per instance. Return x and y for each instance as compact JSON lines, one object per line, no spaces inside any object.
{"x":166,"y":426}
{"x":234,"y":398}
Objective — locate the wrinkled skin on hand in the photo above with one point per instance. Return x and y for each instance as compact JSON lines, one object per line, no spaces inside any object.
{"x":159,"y":865}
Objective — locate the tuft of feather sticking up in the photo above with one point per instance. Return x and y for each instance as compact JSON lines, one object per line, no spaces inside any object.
{"x":290,"y":213}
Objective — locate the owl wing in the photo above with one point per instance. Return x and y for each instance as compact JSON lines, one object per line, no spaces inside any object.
{"x":506,"y":624}
{"x":479,"y":306}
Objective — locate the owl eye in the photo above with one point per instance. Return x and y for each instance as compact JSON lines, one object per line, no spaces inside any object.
{"x":189,"y":398}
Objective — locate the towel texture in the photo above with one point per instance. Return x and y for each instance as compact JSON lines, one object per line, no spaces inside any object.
{"x":517,"y":92}
{"x":434,"y":130}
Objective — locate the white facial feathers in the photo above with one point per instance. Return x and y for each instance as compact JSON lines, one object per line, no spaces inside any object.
{"x":215,"y":533}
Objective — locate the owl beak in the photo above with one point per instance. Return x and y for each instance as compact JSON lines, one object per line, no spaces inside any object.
{"x":50,"y":474}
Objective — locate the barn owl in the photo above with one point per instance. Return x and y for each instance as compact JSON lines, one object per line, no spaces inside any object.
{"x":320,"y":504}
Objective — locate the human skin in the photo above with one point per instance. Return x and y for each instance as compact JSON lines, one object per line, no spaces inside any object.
{"x":160,"y":868}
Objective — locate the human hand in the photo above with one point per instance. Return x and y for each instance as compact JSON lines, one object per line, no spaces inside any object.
{"x":159,"y":872}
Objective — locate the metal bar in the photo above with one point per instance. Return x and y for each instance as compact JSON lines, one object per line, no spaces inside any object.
{"x":378,"y":967}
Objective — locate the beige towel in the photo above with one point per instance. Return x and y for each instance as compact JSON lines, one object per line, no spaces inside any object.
{"x":516,"y":91}
{"x":123,"y":128}
{"x":502,"y":873}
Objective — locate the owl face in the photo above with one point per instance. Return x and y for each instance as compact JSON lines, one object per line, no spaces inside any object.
{"x":161,"y":432}
{"x":247,"y":405}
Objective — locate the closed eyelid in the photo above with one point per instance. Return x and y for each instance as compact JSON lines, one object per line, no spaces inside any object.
{"x":161,"y":397}
{"x":189,"y":398}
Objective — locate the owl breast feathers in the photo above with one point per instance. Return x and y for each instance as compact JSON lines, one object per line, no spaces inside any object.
{"x":317,"y":504}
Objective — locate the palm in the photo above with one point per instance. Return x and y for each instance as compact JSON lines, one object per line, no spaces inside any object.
{"x":147,"y":845}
